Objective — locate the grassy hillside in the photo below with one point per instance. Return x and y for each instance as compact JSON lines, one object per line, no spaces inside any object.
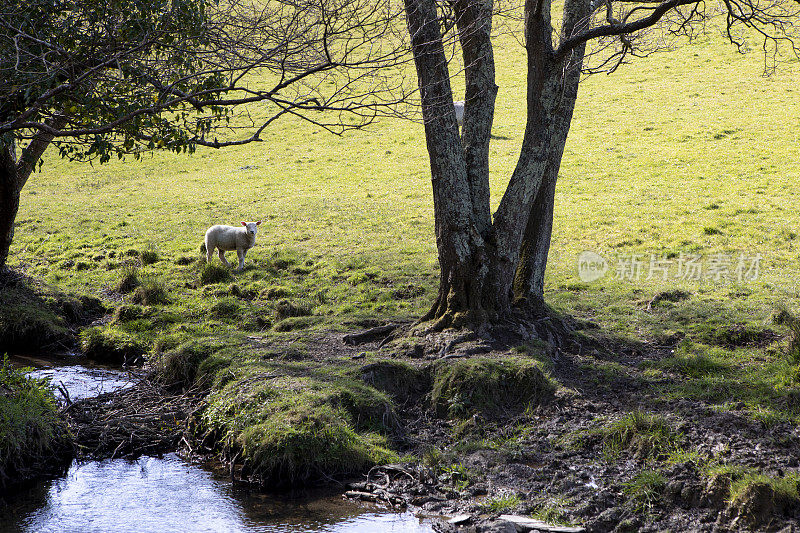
{"x":686,"y":152}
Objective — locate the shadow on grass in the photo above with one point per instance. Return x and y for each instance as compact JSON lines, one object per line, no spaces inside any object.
{"x":35,"y":317}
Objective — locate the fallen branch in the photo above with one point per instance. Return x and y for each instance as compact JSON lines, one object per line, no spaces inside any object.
{"x":370,"y":335}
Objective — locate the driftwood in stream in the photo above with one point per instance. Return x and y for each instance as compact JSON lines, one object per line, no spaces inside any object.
{"x":144,"y":419}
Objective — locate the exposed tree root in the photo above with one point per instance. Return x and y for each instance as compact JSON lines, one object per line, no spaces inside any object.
{"x":465,"y":333}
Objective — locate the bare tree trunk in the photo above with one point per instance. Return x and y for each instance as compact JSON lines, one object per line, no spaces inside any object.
{"x":474,"y":22}
{"x":460,"y":246}
{"x":534,"y":250}
{"x":529,"y":279}
{"x":9,"y":200}
{"x":511,"y":218}
{"x":14,"y":174}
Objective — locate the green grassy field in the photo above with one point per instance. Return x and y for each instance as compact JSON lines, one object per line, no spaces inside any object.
{"x":691,"y":151}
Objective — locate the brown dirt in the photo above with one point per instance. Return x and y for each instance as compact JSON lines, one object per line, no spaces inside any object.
{"x":542,"y":466}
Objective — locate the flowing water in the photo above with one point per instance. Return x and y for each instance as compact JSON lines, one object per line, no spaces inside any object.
{"x":167,"y":494}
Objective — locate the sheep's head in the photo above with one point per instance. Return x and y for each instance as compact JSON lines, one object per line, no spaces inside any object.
{"x":251,"y":227}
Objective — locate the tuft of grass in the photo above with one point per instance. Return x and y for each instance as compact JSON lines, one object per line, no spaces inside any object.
{"x":645,"y":490}
{"x":400,"y":380}
{"x":501,"y":504}
{"x":490,"y":386}
{"x":149,"y":255}
{"x":33,"y":439}
{"x":646,"y":436}
{"x":286,"y":309}
{"x":275,"y":292}
{"x":226,"y":308}
{"x":178,"y":367}
{"x":295,"y":323}
{"x":213,"y":273}
{"x":293,"y":430}
{"x":32,"y":318}
{"x":754,"y":497}
{"x":784,"y":317}
{"x":785,"y":488}
{"x":151,"y":291}
{"x":127,"y":312}
{"x":553,"y":510}
{"x":128,"y":278}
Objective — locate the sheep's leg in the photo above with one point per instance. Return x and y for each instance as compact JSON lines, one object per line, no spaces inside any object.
{"x":209,"y":254}
{"x":222,"y":258}
{"x":241,"y":254}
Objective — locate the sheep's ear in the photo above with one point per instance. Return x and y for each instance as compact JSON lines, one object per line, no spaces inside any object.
{"x":243,"y":223}
{"x":258,"y":223}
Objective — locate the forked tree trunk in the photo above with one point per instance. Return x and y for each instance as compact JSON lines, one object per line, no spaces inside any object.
{"x":489,"y":268}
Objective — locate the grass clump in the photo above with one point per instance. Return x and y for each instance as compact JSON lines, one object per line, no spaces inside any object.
{"x":287,"y":309}
{"x":226,"y":308}
{"x":295,"y":323}
{"x":553,"y":510}
{"x":645,"y":489}
{"x":275,"y":292}
{"x":493,"y":387}
{"x":31,"y":319}
{"x":647,"y":436}
{"x":127,"y":312}
{"x":178,"y":367}
{"x":785,"y":318}
{"x":213,"y":273}
{"x":292,"y":430}
{"x":501,"y":504}
{"x":128,"y":279}
{"x":755,"y":498}
{"x":149,"y":255}
{"x":33,"y":439}
{"x":151,"y":291}
{"x":400,"y":380}
{"x":108,"y":344}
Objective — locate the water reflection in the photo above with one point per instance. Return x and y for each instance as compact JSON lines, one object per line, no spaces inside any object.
{"x":82,"y":382}
{"x":169,"y":495}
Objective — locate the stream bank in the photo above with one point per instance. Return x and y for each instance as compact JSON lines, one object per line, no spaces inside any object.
{"x":166,"y":493}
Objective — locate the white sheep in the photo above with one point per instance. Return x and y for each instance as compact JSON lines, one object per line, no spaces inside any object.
{"x":459,"y":107}
{"x":228,"y":238}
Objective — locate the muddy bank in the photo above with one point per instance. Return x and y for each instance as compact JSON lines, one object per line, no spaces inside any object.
{"x":484,"y":436}
{"x":599,"y":455}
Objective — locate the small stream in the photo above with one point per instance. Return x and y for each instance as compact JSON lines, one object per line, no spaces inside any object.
{"x":168,"y":494}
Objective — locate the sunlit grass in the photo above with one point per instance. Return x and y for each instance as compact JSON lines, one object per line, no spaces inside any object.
{"x":691,"y":151}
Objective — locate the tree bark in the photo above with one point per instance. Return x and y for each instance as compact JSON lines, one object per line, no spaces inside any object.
{"x":14,"y":174}
{"x":535,"y":247}
{"x":9,"y":200}
{"x":460,"y":246}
